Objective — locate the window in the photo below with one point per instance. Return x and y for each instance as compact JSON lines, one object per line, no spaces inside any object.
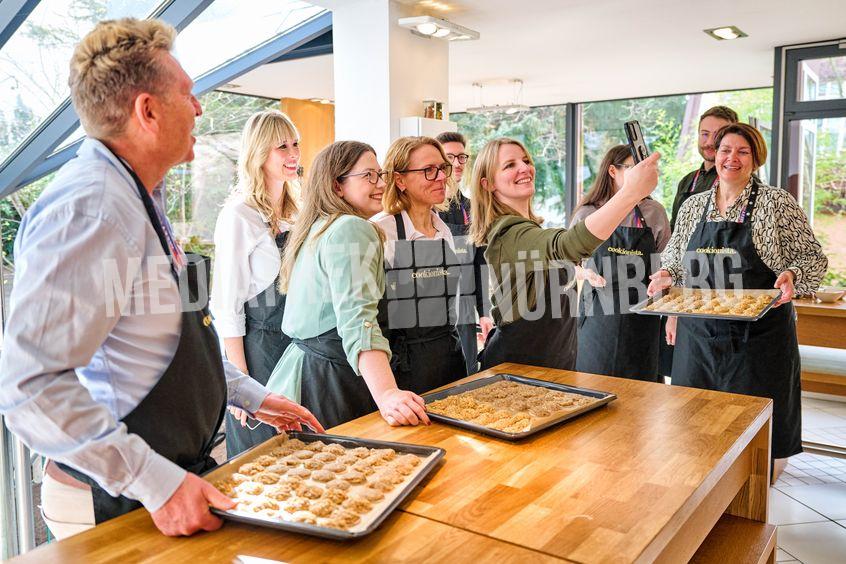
{"x":822,"y":79}
{"x":34,"y":63}
{"x":542,"y":130}
{"x":195,"y":191}
{"x":669,"y":125}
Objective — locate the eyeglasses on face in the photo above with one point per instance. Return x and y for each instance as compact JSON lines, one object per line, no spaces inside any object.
{"x":431,"y":172}
{"x":461,"y":157}
{"x":624,"y":166}
{"x":372,"y":176}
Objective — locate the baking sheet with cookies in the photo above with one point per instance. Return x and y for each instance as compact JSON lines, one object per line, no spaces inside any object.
{"x":323,"y":485}
{"x":732,"y":305}
{"x":539,"y":405}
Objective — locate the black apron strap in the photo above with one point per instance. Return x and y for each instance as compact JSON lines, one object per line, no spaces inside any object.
{"x":400,"y":226}
{"x":641,"y":219}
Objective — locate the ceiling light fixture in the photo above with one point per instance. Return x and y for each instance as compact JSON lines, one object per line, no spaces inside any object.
{"x":515,"y":107}
{"x":430,"y":26}
{"x":725,"y":33}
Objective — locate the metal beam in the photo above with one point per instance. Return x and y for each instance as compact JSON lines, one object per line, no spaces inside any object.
{"x":321,"y":45}
{"x":12,"y":14}
{"x":264,"y":53}
{"x":64,"y":120}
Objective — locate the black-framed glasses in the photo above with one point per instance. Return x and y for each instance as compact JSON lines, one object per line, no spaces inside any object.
{"x":372,"y":176}
{"x":460,"y":157}
{"x":624,"y":166}
{"x":431,"y":172}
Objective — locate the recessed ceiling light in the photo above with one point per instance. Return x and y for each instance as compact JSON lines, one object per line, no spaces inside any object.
{"x":231,"y":85}
{"x":725,"y":33}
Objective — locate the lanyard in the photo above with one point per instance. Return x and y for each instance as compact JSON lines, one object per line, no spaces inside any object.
{"x":160,"y":223}
{"x":696,"y":179}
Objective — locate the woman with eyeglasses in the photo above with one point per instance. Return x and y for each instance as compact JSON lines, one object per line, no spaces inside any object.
{"x":611,"y":340}
{"x":423,"y":272}
{"x":249,"y":237}
{"x":528,"y":263}
{"x":339,"y":360}
{"x":457,"y":218}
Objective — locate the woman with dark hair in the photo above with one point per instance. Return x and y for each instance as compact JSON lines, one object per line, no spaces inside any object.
{"x":613,"y":341}
{"x":457,"y":218}
{"x":743,"y":234}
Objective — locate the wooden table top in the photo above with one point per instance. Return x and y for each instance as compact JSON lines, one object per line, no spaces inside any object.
{"x":614,"y":484}
{"x":810,"y":306}
{"x":600,"y":487}
{"x":401,"y":538}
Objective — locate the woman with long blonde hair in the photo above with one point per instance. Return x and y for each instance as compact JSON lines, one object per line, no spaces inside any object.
{"x":339,"y":362}
{"x":423,"y":270}
{"x":525,"y":259}
{"x":250,"y":235}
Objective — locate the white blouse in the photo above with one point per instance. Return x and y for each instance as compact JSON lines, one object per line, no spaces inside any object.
{"x":388,"y":225}
{"x":246,"y":262}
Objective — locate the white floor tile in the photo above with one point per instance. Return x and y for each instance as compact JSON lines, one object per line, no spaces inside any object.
{"x":828,"y":499}
{"x":817,"y":418}
{"x":785,"y":510}
{"x":782,"y":556}
{"x":814,"y":543}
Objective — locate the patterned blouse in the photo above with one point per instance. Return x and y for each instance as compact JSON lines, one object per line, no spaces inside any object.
{"x":780,"y":232}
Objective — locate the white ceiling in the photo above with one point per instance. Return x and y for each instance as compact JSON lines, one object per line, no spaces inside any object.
{"x":584,"y":50}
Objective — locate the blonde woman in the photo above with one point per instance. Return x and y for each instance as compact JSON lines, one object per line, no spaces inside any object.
{"x":423,"y":288}
{"x":534,"y":324}
{"x":339,"y":362}
{"x":249,"y":238}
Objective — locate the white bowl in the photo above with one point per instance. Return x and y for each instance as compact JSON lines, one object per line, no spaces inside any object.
{"x":830,"y":294}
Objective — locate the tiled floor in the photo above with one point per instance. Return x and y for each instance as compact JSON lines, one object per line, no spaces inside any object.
{"x":808,"y":503}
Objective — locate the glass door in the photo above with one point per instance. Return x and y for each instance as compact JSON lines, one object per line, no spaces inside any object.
{"x":810,"y":144}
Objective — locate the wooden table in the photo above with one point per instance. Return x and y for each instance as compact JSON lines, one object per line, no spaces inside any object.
{"x":821,"y":325}
{"x":647,"y":478}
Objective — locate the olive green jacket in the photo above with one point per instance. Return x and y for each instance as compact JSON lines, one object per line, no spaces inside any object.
{"x":517,"y":247}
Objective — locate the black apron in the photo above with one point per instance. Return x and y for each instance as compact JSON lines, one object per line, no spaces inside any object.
{"x":549,"y":341}
{"x":264,"y":343}
{"x":457,"y":219}
{"x":759,"y":358}
{"x":330,"y":388}
{"x":423,"y":283}
{"x":612,"y":340}
{"x":180,"y":416}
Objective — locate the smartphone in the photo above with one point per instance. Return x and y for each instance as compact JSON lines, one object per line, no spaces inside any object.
{"x":636,"y":143}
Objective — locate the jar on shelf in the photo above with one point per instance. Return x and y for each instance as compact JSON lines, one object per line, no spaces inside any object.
{"x":429,"y":109}
{"x":439,"y":110}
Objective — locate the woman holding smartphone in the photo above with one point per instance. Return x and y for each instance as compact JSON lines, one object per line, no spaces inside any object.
{"x":333,"y":274}
{"x":534,"y":324}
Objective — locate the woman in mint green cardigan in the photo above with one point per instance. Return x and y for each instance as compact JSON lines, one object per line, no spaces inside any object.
{"x":332,"y":271}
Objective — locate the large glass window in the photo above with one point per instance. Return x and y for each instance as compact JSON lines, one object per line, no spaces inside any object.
{"x":542,"y":130}
{"x":822,"y":79}
{"x":34,"y":63}
{"x":195,"y":191}
{"x":227,"y":28}
{"x":817,"y":174}
{"x":669,"y":125}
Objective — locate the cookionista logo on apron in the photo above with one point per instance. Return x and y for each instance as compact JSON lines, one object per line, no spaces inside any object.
{"x":713,"y":267}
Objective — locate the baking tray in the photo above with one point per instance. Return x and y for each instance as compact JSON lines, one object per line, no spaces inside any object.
{"x":431,"y":455}
{"x":603,"y":397}
{"x":776,"y":294}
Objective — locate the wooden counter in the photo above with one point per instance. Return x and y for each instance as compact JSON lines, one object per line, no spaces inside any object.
{"x":644,"y":479}
{"x":821,"y":324}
